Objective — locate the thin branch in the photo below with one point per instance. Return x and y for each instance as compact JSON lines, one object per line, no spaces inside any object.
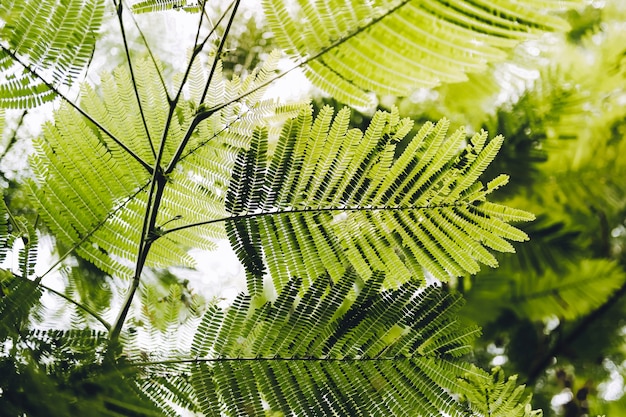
{"x":310,"y":211}
{"x":313,"y":57}
{"x":198,"y":47}
{"x":119,"y":11}
{"x":77,"y":108}
{"x":37,"y":282}
{"x":579,"y":330}
{"x":215,"y":135}
{"x":219,"y":50}
{"x":94,"y":230}
{"x":181,"y":147}
{"x":152,"y":57}
{"x":83,"y":307}
{"x":203,"y":115}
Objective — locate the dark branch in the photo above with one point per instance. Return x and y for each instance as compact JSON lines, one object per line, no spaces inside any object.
{"x":578,"y":331}
{"x":78,"y":109}
{"x":219,"y":50}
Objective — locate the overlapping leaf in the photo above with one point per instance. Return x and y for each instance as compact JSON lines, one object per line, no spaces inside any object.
{"x":18,"y":294}
{"x":54,"y":38}
{"x":393,"y":352}
{"x":145,"y":6}
{"x":395,"y":47}
{"x":330,"y":197}
{"x":92,"y":185}
{"x":499,"y":397}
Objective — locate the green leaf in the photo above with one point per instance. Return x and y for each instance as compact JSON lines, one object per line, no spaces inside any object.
{"x":56,"y":36}
{"x":91,"y":182}
{"x":395,"y":352}
{"x":425,"y":42}
{"x":567,"y":294}
{"x":329,"y":198}
{"x":497,"y":396}
{"x":148,"y":6}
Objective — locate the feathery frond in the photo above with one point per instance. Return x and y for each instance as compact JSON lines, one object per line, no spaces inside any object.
{"x":18,"y":297}
{"x":18,"y":294}
{"x":93,"y":196}
{"x":330,"y":197}
{"x":53,"y":38}
{"x":393,"y":352}
{"x":583,"y":287}
{"x":499,"y":397}
{"x":395,"y":47}
{"x":59,"y":373}
{"x":148,"y":6}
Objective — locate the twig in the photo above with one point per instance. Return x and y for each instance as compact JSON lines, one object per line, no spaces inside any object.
{"x":564,"y":342}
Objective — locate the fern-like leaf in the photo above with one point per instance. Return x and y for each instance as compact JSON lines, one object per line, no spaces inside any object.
{"x":330,"y":197}
{"x":395,"y":47}
{"x":395,"y":352}
{"x":55,"y":37}
{"x":149,"y":6}
{"x":498,"y":397}
{"x":18,"y":297}
{"x":18,"y":294}
{"x":570,"y":294}
{"x":92,"y":194}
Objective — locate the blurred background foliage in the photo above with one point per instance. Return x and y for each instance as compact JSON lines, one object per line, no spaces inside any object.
{"x":555,"y":312}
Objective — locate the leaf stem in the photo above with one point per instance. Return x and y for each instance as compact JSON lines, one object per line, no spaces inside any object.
{"x":219,"y":51}
{"x":83,"y":307}
{"x":13,"y":138}
{"x":309,"y":211}
{"x":275,"y":359}
{"x":119,"y":11}
{"x":202,"y":115}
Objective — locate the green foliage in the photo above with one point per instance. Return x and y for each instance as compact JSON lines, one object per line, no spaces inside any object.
{"x":18,"y":295}
{"x":62,"y":373}
{"x":327,"y":352}
{"x":425,"y":42}
{"x":498,"y":397}
{"x":359,"y":243}
{"x":567,"y":295}
{"x":330,"y":196}
{"x":148,"y":6}
{"x":29,"y":46}
{"x":93,"y":198}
